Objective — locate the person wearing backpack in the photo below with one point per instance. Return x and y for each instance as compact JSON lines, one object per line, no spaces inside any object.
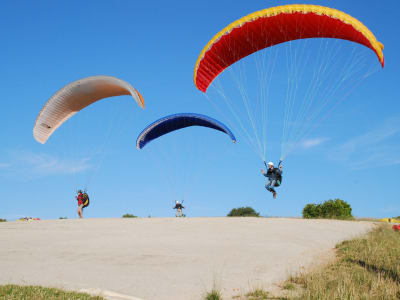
{"x":274,"y":176}
{"x":178,"y":206}
{"x":83,"y":201}
{"x":79,"y":198}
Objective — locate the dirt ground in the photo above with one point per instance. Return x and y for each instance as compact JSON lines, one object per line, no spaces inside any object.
{"x":166,"y":258}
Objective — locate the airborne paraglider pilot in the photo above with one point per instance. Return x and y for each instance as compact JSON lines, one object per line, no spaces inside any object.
{"x":274,"y":176}
{"x":178,"y":206}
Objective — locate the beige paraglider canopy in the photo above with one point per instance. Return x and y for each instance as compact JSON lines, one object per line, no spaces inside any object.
{"x":76,"y":96}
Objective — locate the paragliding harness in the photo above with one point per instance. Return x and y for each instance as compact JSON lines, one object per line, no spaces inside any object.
{"x":279,"y":179}
{"x":85,"y":199}
{"x":179,"y":208}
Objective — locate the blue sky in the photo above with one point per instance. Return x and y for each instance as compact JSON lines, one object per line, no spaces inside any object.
{"x":354,"y":155}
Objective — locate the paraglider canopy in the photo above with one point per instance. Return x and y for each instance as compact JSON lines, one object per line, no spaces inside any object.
{"x":277,"y":25}
{"x":76,"y":96}
{"x":178,"y":121}
{"x":320,"y":56}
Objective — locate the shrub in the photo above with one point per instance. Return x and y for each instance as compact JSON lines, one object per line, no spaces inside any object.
{"x":3,"y":220}
{"x":243,"y":212}
{"x":312,"y":211}
{"x":62,"y":218}
{"x":336,"y":209}
{"x":330,"y":209}
{"x":129,"y":216}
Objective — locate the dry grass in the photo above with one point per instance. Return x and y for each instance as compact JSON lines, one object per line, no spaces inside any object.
{"x":257,"y":294}
{"x":15,"y":292}
{"x":368,"y":219}
{"x":365,"y":268}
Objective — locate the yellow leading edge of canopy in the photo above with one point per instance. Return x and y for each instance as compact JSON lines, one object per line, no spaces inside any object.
{"x":302,"y":8}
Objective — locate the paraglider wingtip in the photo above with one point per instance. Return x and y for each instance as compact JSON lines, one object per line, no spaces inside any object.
{"x":141,"y":100}
{"x":37,"y":139}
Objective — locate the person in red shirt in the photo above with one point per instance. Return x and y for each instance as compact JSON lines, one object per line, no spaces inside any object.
{"x":79,"y":198}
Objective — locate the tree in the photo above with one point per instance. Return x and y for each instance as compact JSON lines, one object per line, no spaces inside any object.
{"x":129,"y":216}
{"x":330,"y":209}
{"x":243,"y":212}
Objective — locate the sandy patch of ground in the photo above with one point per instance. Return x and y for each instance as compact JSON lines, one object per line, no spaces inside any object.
{"x":166,"y":258}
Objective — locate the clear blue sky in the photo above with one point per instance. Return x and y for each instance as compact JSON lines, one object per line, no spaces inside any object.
{"x":154,"y":46}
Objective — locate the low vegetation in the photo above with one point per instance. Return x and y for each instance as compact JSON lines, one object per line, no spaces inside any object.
{"x":257,"y":294}
{"x":3,"y":220}
{"x":129,"y":216}
{"x":15,"y":292}
{"x":330,"y":209}
{"x":365,"y":268}
{"x":243,"y":212}
{"x":214,"y":295}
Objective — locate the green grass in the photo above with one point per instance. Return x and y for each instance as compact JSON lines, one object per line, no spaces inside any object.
{"x":213,"y":295}
{"x":289,"y":286}
{"x":15,"y":292}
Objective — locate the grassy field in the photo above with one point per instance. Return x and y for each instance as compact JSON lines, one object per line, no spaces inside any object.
{"x":15,"y":292}
{"x":365,"y":268}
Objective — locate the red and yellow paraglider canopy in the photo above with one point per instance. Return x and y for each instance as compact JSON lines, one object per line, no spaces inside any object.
{"x":273,"y":26}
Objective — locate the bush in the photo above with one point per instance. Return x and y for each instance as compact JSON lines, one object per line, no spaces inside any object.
{"x":129,"y":216}
{"x":312,"y":211}
{"x":62,"y":218}
{"x":330,"y":209}
{"x":243,"y":212}
{"x":3,"y":220}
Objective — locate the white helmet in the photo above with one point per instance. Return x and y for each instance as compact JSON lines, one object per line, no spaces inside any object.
{"x":270,"y":163}
{"x":177,"y":202}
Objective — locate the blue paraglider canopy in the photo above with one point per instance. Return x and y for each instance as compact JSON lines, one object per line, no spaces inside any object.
{"x":178,"y":121}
